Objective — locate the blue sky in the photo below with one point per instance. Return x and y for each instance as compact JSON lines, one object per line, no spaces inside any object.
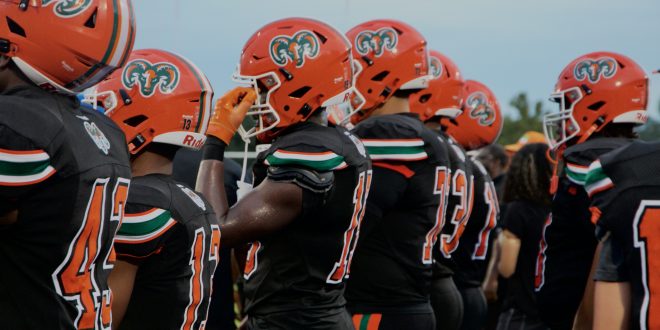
{"x":510,"y":45}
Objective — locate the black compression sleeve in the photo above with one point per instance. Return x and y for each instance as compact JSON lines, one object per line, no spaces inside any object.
{"x":214,"y":148}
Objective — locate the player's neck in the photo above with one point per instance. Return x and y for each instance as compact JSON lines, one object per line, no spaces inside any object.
{"x":151,"y":163}
{"x":320,"y":118}
{"x":10,"y":77}
{"x":434,"y":126}
{"x":392,"y":106}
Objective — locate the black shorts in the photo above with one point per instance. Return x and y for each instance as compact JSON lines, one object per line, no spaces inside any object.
{"x":612,"y":264}
{"x":447,"y":304}
{"x":475,"y":309}
{"x":392,"y":321}
{"x":337,"y":319}
{"x":513,"y":319}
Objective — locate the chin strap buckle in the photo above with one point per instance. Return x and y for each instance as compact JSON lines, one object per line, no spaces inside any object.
{"x":5,"y":46}
{"x":23,"y":5}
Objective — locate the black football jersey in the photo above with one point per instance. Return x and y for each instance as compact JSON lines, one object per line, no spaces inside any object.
{"x":625,"y":189}
{"x":171,"y":233}
{"x":303,"y":266}
{"x":470,"y":258}
{"x":392,"y":265}
{"x":66,"y":171}
{"x":568,"y":243}
{"x":459,"y":207}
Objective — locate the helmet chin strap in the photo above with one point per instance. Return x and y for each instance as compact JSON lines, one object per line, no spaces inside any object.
{"x":243,"y":187}
{"x":559,"y":153}
{"x":590,"y":131}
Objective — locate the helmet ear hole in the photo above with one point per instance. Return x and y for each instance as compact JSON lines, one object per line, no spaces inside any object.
{"x":15,"y":28}
{"x":424,"y":98}
{"x":91,"y":21}
{"x":135,"y":120}
{"x":596,"y":106}
{"x":300,"y":92}
{"x":380,"y":76}
{"x":322,"y":37}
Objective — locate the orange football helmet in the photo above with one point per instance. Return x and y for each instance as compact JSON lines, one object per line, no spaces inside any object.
{"x":480,"y":122}
{"x":593,"y":91}
{"x":157,"y":97}
{"x":393,"y":56}
{"x":443,"y":97}
{"x":67,"y":46}
{"x":297,"y":66}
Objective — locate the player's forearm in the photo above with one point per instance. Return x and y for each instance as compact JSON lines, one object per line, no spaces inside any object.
{"x":211,"y":177}
{"x":210,"y":182}
{"x":267,"y":209}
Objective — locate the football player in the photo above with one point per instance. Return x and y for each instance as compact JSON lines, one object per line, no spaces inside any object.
{"x":602,"y":97}
{"x":311,"y":183}
{"x":64,"y":170}
{"x":625,"y":189}
{"x":443,"y":99}
{"x":392,"y":266}
{"x":167,"y":245}
{"x":479,"y":125}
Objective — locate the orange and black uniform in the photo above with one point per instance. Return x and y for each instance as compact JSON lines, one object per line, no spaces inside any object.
{"x":294,"y":279}
{"x":625,"y":189}
{"x":446,"y":299}
{"x":66,"y":171}
{"x":471,"y":257}
{"x":172,"y":235}
{"x":568,"y":243}
{"x":393,"y":264}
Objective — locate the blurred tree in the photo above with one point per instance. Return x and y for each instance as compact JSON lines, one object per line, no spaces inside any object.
{"x":526,"y":119}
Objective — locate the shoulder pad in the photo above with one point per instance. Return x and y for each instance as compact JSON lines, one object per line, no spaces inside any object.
{"x":584,"y":154}
{"x":313,"y":160}
{"x":635,"y":164}
{"x":400,"y":138}
{"x":318,"y":182}
{"x":151,"y":191}
{"x":310,"y":137}
{"x":579,"y":157}
{"x":389,"y":127}
{"x":314,"y":147}
{"x":21,"y":114}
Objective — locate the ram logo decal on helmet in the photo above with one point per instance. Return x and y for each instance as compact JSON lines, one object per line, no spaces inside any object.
{"x":378,"y":42}
{"x":594,"y":69}
{"x":302,"y":44}
{"x":68,"y":8}
{"x":148,"y":77}
{"x":478,"y":105}
{"x":436,"y":67}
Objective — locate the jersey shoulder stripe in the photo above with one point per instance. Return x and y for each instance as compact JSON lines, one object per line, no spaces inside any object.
{"x":396,"y":149}
{"x":320,"y":161}
{"x":144,"y":226}
{"x":25,"y":167}
{"x":596,"y":180}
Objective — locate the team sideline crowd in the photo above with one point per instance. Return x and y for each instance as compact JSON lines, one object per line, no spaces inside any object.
{"x":379,"y":198}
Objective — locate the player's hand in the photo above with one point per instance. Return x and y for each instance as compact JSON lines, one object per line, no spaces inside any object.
{"x":490,"y":290}
{"x":229,"y":112}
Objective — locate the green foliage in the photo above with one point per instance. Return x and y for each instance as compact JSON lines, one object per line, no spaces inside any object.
{"x":528,"y":119}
